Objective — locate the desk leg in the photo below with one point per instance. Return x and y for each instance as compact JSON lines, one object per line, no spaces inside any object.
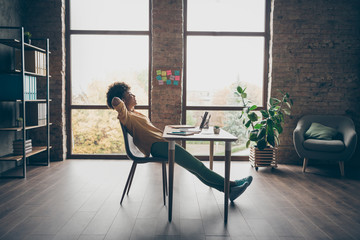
{"x":227,"y":179}
{"x":211,"y":157}
{"x":171,"y":158}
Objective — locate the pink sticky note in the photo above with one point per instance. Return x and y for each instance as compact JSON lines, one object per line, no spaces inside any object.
{"x":161,"y":82}
{"x":168,"y":72}
{"x":177,"y":78}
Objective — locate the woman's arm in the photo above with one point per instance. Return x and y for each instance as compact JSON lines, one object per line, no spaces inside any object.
{"x":120,"y":107}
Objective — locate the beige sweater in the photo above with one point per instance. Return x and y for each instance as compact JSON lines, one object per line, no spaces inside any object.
{"x":144,"y":133}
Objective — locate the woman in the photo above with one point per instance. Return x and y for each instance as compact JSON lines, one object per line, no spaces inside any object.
{"x":149,"y":140}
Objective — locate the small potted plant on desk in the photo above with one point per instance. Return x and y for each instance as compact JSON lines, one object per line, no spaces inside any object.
{"x":264,"y":131}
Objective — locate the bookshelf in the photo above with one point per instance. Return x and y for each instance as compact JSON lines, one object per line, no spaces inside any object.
{"x":30,"y":67}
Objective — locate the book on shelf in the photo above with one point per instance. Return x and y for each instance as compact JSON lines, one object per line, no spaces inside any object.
{"x":19,"y":143}
{"x":35,"y":61}
{"x":21,"y":151}
{"x":11,"y":88}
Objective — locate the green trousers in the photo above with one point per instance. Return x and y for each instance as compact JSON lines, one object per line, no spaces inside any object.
{"x":190,"y":163}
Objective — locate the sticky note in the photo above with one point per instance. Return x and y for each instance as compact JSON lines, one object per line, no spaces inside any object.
{"x":168,"y":82}
{"x":164,"y":78}
{"x":161,"y":82}
{"x":177,"y":78}
{"x":158,"y":72}
{"x":163,"y":73}
{"x":158,"y":77}
{"x":168,"y":72}
{"x":177,"y":73}
{"x":176,"y":83}
{"x":172,"y":77}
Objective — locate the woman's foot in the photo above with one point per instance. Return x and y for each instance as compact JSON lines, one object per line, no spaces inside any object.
{"x":236,"y":191}
{"x":243,"y":180}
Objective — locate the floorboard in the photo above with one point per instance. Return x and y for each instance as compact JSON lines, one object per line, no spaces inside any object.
{"x":79,"y":199}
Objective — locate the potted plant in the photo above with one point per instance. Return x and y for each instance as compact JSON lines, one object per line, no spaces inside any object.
{"x":27,"y":37}
{"x":263,"y":131}
{"x":216,"y":129}
{"x":19,"y":122}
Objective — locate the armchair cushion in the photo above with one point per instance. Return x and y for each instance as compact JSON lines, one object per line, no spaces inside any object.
{"x":324,"y":145}
{"x":319,"y":131}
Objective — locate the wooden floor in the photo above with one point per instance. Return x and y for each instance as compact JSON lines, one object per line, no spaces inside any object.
{"x":79,"y":199}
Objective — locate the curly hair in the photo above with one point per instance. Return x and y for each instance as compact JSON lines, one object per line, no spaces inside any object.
{"x":117,"y":89}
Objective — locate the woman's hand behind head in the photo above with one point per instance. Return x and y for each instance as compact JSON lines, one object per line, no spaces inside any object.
{"x":115,"y":101}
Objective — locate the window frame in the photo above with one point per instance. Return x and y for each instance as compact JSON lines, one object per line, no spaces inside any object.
{"x":68,"y":91}
{"x":265,"y":34}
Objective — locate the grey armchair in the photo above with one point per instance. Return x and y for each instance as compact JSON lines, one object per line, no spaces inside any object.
{"x":339,"y":150}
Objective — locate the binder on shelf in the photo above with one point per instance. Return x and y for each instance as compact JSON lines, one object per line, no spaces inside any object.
{"x":11,"y":87}
{"x":35,"y":114}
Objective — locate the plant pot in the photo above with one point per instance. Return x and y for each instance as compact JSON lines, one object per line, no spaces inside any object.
{"x":263,"y":158}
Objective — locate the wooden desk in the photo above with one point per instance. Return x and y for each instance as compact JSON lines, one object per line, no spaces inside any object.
{"x":207,"y":135}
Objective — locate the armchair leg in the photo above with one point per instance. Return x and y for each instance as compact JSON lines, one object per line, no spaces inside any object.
{"x":305,"y":164}
{"x":341,"y":165}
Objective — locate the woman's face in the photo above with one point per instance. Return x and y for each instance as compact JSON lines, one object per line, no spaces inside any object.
{"x":129,"y":100}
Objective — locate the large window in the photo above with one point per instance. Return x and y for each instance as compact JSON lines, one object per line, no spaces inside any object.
{"x":226,"y":46}
{"x":108,"y":41}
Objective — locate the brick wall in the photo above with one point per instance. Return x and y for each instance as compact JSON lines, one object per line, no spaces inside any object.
{"x":45,"y":19}
{"x":167,"y":52}
{"x":316,"y":58}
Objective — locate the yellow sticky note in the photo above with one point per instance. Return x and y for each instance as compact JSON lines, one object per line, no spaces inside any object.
{"x":158,"y":72}
{"x":163,"y":73}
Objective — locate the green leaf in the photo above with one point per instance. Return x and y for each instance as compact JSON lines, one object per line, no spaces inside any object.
{"x":261,"y":144}
{"x":261,"y":133}
{"x":274,"y":101}
{"x":243,"y":95}
{"x":253,"y":117}
{"x":287,"y":111}
{"x":253,"y":107}
{"x":247,"y":124}
{"x":248,"y":143}
{"x":264,"y":113}
{"x":279,"y":128}
{"x":258,"y":126}
{"x":271,"y":140}
{"x":271,"y":112}
{"x":239,"y":89}
{"x":253,"y":135}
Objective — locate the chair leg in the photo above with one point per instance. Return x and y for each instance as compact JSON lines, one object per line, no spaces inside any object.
{"x":128,"y":181}
{"x":131,"y":179}
{"x":164,"y":181}
{"x":341,"y":165}
{"x":305,"y":164}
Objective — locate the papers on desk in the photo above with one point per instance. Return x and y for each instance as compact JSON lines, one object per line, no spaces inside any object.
{"x":182,"y":126}
{"x":184,"y":130}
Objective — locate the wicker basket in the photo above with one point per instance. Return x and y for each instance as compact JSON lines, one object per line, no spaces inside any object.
{"x":263,"y":158}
